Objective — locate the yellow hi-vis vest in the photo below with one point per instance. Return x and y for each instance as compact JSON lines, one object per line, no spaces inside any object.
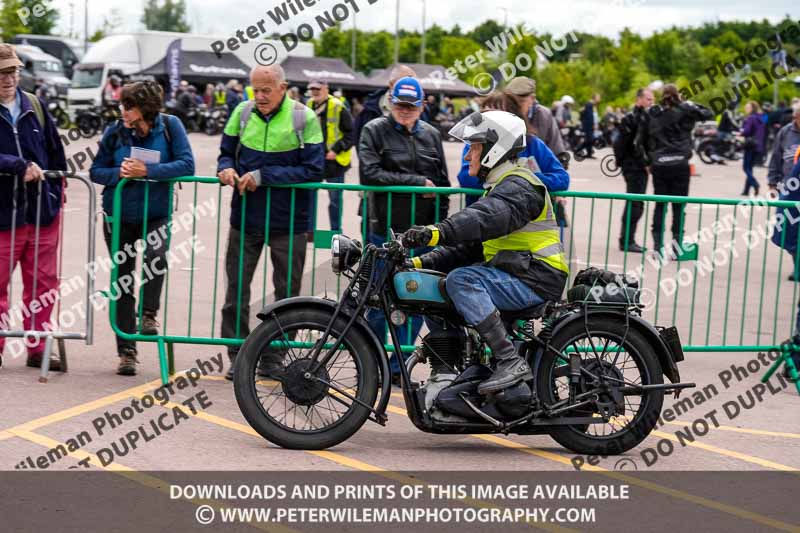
{"x":334,"y":133}
{"x":219,"y":97}
{"x":540,"y":236}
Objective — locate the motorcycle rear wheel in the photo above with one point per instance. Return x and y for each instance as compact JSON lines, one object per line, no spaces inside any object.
{"x":635,"y":363}
{"x":272,"y":405}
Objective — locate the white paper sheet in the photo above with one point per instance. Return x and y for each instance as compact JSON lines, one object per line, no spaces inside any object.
{"x":145,"y":155}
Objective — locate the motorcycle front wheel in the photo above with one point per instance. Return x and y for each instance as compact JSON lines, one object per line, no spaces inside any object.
{"x":623,"y":357}
{"x":286,"y":403}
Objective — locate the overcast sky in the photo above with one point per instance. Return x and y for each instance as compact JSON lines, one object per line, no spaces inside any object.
{"x":596,"y":16}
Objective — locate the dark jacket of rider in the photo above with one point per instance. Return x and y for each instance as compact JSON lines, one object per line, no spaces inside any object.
{"x":509,"y":206}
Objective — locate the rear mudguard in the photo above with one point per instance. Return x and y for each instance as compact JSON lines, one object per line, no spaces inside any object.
{"x":379,"y":353}
{"x":668,"y":364}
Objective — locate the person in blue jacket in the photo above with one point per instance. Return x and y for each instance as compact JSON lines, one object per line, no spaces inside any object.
{"x":536,"y":155}
{"x":160,"y":136}
{"x":786,"y":236}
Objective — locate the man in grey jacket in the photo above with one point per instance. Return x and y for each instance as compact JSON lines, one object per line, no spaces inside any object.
{"x":786,"y":143}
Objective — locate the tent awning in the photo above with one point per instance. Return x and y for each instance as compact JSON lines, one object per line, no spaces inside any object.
{"x":433,"y":79}
{"x":204,"y":66}
{"x":302,"y":70}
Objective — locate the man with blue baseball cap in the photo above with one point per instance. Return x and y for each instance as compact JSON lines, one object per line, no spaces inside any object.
{"x":401,"y":149}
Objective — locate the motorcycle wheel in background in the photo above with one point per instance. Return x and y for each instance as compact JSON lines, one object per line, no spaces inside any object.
{"x":88,"y":124}
{"x":622,"y":357}
{"x":284,"y":405}
{"x":705,"y":151}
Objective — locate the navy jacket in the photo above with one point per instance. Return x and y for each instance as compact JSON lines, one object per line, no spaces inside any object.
{"x":40,"y":144}
{"x":176,"y":161}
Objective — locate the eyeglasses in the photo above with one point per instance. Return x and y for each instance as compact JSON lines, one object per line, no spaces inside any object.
{"x":315,"y":89}
{"x":9,"y":73}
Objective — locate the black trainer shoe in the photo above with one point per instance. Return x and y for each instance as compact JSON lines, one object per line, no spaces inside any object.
{"x":510,"y":371}
{"x":149,"y":324}
{"x":271,"y":366}
{"x":232,"y":367}
{"x":35,"y":361}
{"x":632,"y":247}
{"x":127,"y":362}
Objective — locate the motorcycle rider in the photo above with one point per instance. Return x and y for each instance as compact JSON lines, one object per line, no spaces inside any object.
{"x":631,"y":159}
{"x":511,"y":233}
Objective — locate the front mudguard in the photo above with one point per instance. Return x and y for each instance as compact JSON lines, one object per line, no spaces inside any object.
{"x":665,"y":357}
{"x":381,"y":358}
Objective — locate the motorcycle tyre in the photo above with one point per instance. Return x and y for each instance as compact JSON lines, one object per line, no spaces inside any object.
{"x":574,"y":438}
{"x":247,"y":396}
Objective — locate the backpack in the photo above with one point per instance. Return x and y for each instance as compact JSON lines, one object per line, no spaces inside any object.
{"x":298,"y":123}
{"x":37,"y":108}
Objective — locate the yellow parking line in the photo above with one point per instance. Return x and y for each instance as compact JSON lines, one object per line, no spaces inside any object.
{"x":134,"y":475}
{"x":4,"y":435}
{"x":347,"y":461}
{"x":745,"y":430}
{"x":728,"y":453}
{"x":81,"y":408}
{"x":700,"y":445}
{"x":705,"y":502}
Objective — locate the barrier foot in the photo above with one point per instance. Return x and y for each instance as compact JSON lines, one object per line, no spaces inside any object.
{"x":45,"y":369}
{"x":162,"y":361}
{"x":171,"y":358}
{"x":774,"y":368}
{"x":784,"y":359}
{"x":62,"y":353}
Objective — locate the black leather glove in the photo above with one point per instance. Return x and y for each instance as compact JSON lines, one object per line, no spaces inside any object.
{"x":418,"y":236}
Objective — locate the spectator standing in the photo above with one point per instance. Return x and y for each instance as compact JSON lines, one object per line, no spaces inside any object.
{"x":232,"y":96}
{"x":588,"y":123}
{"x":538,"y":118}
{"x":668,"y":142}
{"x":378,"y":103}
{"x":401,"y":149}
{"x":633,"y":162}
{"x":754,"y":132}
{"x":142,"y":127}
{"x":786,"y":234}
{"x":537,"y":155}
{"x":260,"y":147}
{"x":787,"y":140}
{"x":29,"y":143}
{"x":337,"y":131}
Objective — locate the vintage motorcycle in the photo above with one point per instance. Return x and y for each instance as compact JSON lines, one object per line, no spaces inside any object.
{"x":310,"y":375}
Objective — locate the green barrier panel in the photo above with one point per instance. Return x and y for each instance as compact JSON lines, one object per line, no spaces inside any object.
{"x":688,"y":314}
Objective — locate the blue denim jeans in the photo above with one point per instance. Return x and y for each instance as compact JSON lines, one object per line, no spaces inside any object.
{"x":796,"y":268}
{"x":335,"y":204}
{"x":750,"y":158}
{"x":377,"y":322}
{"x":476,"y":291}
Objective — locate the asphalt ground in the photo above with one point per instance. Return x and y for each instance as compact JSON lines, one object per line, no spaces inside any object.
{"x":763,"y":437}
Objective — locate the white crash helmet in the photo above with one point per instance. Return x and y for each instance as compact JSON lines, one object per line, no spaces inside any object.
{"x":567,"y":99}
{"x":501,"y":133}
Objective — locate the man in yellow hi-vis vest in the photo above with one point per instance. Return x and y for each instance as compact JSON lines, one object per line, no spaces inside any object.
{"x":337,"y":129}
{"x":509,"y":238}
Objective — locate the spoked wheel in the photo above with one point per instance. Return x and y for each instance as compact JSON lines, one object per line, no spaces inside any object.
{"x":705,"y":151}
{"x":287,"y":402}
{"x":610,"y":355}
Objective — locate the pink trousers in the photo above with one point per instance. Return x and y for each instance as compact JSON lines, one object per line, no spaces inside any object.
{"x":36,"y":309}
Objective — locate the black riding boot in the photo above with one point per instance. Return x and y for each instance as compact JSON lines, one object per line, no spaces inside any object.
{"x":232,"y":369}
{"x":511,"y":368}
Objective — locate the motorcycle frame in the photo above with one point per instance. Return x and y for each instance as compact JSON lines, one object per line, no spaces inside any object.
{"x":392,"y":255}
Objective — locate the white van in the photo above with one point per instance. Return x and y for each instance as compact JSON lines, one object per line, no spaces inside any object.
{"x":130,"y":53}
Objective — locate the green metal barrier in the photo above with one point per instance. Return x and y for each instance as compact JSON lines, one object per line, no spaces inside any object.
{"x":709,"y":314}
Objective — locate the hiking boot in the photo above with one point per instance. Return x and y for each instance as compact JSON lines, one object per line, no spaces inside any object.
{"x":35,"y":361}
{"x":127,"y":362}
{"x":149,"y":324}
{"x":509,"y":371}
{"x":511,"y":368}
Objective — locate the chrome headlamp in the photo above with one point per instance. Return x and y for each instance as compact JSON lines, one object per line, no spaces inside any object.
{"x":346,"y":253}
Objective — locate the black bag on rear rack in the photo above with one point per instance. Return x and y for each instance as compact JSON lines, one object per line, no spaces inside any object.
{"x":597,"y":286}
